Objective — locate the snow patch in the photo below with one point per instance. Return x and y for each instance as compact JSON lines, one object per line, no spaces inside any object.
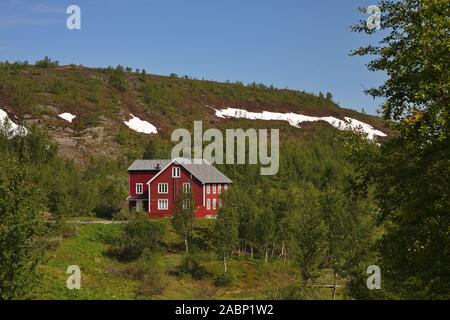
{"x":295,"y":119}
{"x":67,"y":116}
{"x":13,"y":128}
{"x":141,"y":126}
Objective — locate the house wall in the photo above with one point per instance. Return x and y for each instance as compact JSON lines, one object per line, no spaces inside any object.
{"x":211,"y":197}
{"x":139,"y":177}
{"x":175,"y":188}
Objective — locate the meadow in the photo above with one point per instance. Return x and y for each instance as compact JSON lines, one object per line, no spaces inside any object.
{"x":103,"y":277}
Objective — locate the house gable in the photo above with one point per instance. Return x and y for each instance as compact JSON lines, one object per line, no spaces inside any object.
{"x":175,"y":188}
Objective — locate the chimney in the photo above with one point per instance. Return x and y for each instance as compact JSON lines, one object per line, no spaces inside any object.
{"x":158,"y":167}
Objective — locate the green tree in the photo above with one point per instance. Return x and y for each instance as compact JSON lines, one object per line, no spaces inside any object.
{"x":265,"y":230}
{"x":183,"y":217}
{"x":307,"y":231}
{"x":247,"y":211}
{"x":140,"y":237}
{"x":46,"y":63}
{"x":349,"y":218}
{"x":226,"y":234}
{"x":412,"y":171}
{"x":22,"y":228}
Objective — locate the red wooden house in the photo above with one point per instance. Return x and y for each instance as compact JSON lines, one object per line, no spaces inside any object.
{"x":155,"y":184}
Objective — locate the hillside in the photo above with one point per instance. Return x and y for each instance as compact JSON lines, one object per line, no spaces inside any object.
{"x":84,"y":110}
{"x":107,"y":278}
{"x":93,"y":115}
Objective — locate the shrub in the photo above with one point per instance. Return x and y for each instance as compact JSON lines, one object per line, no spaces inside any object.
{"x":137,"y":237}
{"x":68,"y":230}
{"x":191,"y":265}
{"x":46,"y":63}
{"x":146,"y":269}
{"x":224,"y":280}
{"x":53,"y":243}
{"x":117,"y":80}
{"x":153,"y":283}
{"x":121,"y":253}
{"x":122,"y":215}
{"x":110,"y":202}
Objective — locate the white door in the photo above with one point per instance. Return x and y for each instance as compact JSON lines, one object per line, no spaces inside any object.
{"x":139,"y":206}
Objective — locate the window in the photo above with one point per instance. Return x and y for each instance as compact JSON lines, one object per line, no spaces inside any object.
{"x":208,"y":189}
{"x":176,"y":172}
{"x":139,"y":188}
{"x":214,"y":204}
{"x":187,"y":187}
{"x":163,"y":204}
{"x":225,"y":187}
{"x":208,"y":204}
{"x":219,"y":189}
{"x":163,"y":188}
{"x":214,"y":189}
{"x":186,"y":204}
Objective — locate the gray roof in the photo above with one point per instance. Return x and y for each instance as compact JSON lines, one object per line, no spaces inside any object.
{"x":206,"y":173}
{"x":145,"y":165}
{"x":203,"y":171}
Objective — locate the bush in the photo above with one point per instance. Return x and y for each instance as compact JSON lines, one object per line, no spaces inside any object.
{"x":153,"y":283}
{"x":117,"y":80}
{"x":122,"y":215}
{"x":224,"y":280}
{"x":53,"y":243}
{"x":121,"y":253}
{"x":46,"y":63}
{"x":146,"y":269}
{"x":191,"y":265}
{"x":137,"y":237}
{"x":110,"y":203}
{"x":68,"y":230}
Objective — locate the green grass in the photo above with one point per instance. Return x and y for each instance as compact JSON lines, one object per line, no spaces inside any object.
{"x":89,"y":218}
{"x":98,"y":273}
{"x":103,"y":277}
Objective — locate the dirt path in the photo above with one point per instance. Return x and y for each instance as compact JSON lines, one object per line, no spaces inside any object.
{"x":96,"y":222}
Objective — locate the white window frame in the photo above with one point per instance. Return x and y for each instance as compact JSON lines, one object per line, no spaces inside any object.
{"x":214,"y":204}
{"x":160,"y":185}
{"x":214,"y":189}
{"x":139,"y":188}
{"x":176,"y":172}
{"x":219,"y":189}
{"x":208,"y":189}
{"x":208,"y":204}
{"x":225,"y":187}
{"x":163,"y":204}
{"x":187,"y":187}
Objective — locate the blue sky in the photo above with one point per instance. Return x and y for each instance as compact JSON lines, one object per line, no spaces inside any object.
{"x":299,"y":44}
